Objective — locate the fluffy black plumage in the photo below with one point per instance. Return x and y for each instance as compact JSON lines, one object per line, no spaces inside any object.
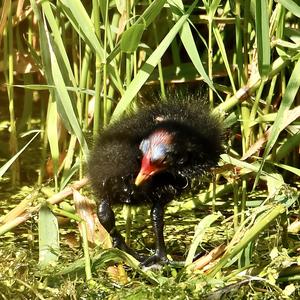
{"x":116,"y":158}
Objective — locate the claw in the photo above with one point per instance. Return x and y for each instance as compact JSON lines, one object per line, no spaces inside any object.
{"x":119,"y":242}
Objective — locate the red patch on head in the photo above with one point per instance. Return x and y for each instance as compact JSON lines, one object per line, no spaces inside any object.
{"x":148,"y":167}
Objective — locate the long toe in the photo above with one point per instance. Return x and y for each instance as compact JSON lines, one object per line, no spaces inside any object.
{"x":155,"y":260}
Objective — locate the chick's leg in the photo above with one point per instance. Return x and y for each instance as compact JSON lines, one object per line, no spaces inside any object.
{"x":107,"y":219}
{"x":160,"y":256}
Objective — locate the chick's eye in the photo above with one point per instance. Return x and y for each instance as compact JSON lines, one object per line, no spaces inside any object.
{"x":165,"y":160}
{"x":144,"y":146}
{"x":162,"y":161}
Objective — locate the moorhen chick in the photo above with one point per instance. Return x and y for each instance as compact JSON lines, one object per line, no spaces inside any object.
{"x":150,"y":156}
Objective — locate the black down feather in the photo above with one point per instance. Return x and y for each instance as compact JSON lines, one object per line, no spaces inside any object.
{"x":116,"y":159}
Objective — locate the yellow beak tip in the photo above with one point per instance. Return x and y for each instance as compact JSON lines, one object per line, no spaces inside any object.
{"x":140,"y":179}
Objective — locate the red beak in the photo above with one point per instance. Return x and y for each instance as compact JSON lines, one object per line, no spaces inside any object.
{"x":146,"y":171}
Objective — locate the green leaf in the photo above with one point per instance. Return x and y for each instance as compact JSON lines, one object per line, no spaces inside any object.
{"x":121,"y":6}
{"x":213,"y":6}
{"x":277,"y":65}
{"x":81,"y":21}
{"x":6,"y":166}
{"x":149,"y":65}
{"x":200,"y":231}
{"x":48,"y":237}
{"x":288,"y":145}
{"x":260,"y":224}
{"x":190,"y":45}
{"x":274,"y":181}
{"x":244,"y":166}
{"x":69,"y":173}
{"x":151,"y":12}
{"x":262,"y":37}
{"x":287,"y":100}
{"x":293,"y":7}
{"x":293,"y":34}
{"x":145,"y":19}
{"x":58,"y":40}
{"x":222,"y":48}
{"x":52,"y":134}
{"x":291,"y":169}
{"x":56,"y":75}
{"x":131,"y":38}
{"x":63,"y":99}
{"x":104,"y":257}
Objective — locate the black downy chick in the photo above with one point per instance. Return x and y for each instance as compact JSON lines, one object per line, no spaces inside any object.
{"x":150,"y":157}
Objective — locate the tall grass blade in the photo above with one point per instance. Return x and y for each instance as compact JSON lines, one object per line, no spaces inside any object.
{"x":55,"y":77}
{"x":261,"y":223}
{"x":291,"y":169}
{"x":286,"y":102}
{"x":6,"y":166}
{"x":278,"y":65}
{"x":147,"y":17}
{"x":68,"y":174}
{"x":244,"y":166}
{"x":150,"y":64}
{"x":189,"y":44}
{"x":52,"y":134}
{"x":64,"y":103}
{"x":224,"y":55}
{"x":58,"y":41}
{"x":262,"y":37}
{"x":82,"y":23}
{"x":291,"y":143}
{"x":199,"y":234}
{"x":292,"y":6}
